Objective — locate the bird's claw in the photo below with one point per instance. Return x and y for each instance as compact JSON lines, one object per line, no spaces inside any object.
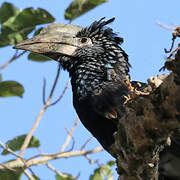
{"x":127,"y":99}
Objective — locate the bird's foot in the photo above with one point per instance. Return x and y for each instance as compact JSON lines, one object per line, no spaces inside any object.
{"x":127,"y":99}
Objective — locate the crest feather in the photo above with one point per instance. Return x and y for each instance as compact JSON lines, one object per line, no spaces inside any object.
{"x":99,"y":27}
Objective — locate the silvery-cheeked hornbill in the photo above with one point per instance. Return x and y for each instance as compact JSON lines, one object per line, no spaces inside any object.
{"x":91,"y":55}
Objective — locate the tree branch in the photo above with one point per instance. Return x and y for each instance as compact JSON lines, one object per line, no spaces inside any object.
{"x":46,"y":105}
{"x":19,"y":158}
{"x":69,"y":137}
{"x":46,"y":158}
{"x":56,"y":171}
{"x":15,"y":56}
{"x":148,"y":123}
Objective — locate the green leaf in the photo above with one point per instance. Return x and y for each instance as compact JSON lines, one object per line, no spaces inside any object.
{"x":79,"y":7}
{"x":97,"y":175}
{"x":6,"y":11}
{"x":69,"y":177}
{"x":38,"y":58}
{"x":10,"y":175}
{"x":103,"y":172}
{"x":0,"y":77}
{"x":37,"y":31}
{"x":28,"y":18}
{"x":111,"y":163}
{"x":35,"y":177}
{"x":107,"y":172}
{"x":9,"y":37}
{"x":18,"y":26}
{"x":16,"y":143}
{"x":11,"y":88}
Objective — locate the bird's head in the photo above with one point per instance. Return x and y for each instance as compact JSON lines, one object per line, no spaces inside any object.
{"x":72,"y":45}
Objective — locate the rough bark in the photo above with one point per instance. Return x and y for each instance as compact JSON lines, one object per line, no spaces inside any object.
{"x":149,"y":122}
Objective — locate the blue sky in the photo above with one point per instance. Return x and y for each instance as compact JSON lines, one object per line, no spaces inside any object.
{"x":144,"y":42}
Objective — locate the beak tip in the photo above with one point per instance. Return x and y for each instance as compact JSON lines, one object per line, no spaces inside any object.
{"x":15,"y":47}
{"x":19,"y":46}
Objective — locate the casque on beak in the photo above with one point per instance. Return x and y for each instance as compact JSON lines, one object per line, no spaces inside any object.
{"x":53,"y":40}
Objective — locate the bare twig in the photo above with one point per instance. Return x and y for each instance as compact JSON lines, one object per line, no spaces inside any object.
{"x":165,"y":26}
{"x":87,"y":141}
{"x":46,"y":158}
{"x":10,"y":151}
{"x":70,"y":136}
{"x":175,"y":33}
{"x":91,"y":161}
{"x":49,"y":157}
{"x":28,"y":175}
{"x":20,"y":158}
{"x":62,"y":94}
{"x":44,"y":91}
{"x":15,"y":56}
{"x":32,"y":172}
{"x":56,"y":171}
{"x":173,"y":39}
{"x":172,"y":53}
{"x":73,"y":140}
{"x":52,"y":90}
{"x":55,"y":82}
{"x":7,"y":167}
{"x":29,"y":136}
{"x":172,"y":45}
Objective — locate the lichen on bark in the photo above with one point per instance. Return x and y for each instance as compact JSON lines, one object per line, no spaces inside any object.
{"x":147,"y":126}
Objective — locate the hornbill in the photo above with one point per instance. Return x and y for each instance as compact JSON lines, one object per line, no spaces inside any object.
{"x":98,"y":68}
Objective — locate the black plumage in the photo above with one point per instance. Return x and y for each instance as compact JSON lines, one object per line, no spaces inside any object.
{"x":97,"y":58}
{"x":95,"y":93}
{"x":98,"y":68}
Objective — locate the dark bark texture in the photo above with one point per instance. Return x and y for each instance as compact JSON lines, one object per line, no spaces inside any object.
{"x":148,"y":125}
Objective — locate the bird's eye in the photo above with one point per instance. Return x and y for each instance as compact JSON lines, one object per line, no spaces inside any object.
{"x":84,"y":40}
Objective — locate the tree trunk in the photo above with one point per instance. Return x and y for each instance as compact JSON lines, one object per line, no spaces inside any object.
{"x":149,"y":122}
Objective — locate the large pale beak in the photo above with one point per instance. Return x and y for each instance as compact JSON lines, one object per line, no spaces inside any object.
{"x":53,"y":41}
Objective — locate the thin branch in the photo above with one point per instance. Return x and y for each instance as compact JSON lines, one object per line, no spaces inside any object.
{"x":87,"y":141}
{"x":55,"y":82}
{"x":165,"y":26}
{"x":56,"y":171}
{"x":32,"y":172}
{"x":62,"y":94}
{"x":73,"y":140}
{"x":172,"y":54}
{"x":90,"y":160}
{"x":29,"y":136}
{"x":44,"y":91}
{"x":10,"y":151}
{"x":49,"y":157}
{"x":7,"y":167}
{"x":28,"y":175}
{"x":172,"y":45}
{"x":70,"y":136}
{"x":175,"y":33}
{"x":46,"y":158}
{"x":52,"y":90}
{"x":20,"y":158}
{"x":15,"y":56}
